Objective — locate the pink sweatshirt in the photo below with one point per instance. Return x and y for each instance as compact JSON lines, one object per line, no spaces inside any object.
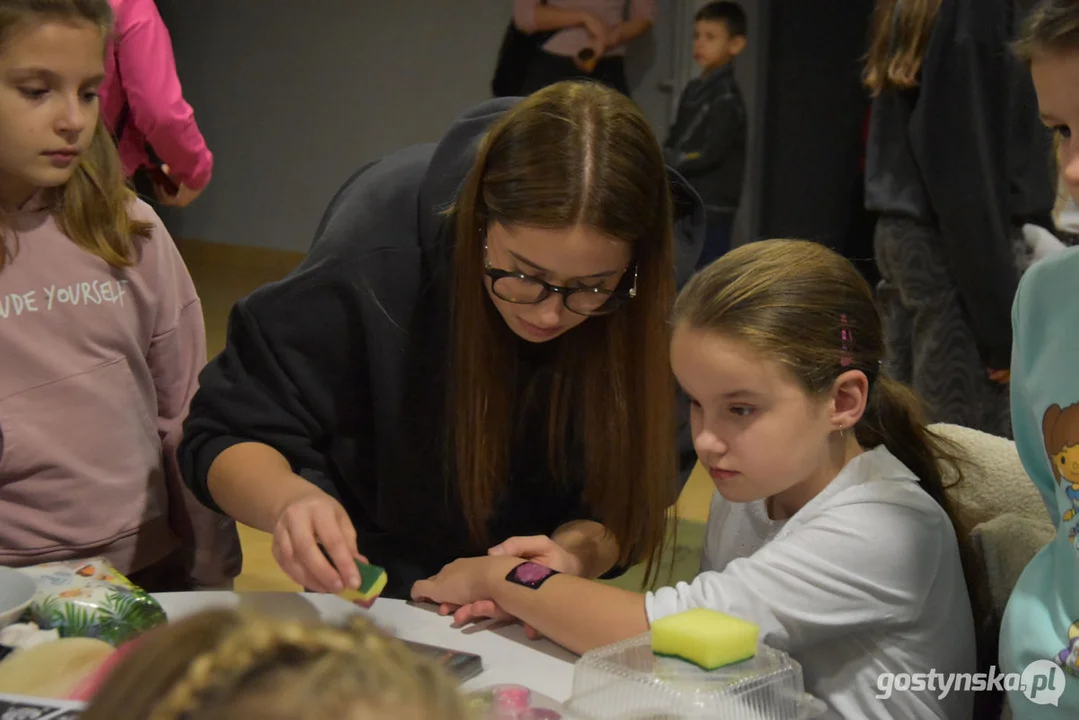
{"x":98,"y":368}
{"x":140,"y":72}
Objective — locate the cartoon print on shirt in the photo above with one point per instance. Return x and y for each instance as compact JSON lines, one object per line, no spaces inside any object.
{"x":1060,"y":427}
{"x":1069,"y":656}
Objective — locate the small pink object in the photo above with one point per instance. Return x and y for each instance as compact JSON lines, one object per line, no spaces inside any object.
{"x":513,"y":698}
{"x":846,"y":338}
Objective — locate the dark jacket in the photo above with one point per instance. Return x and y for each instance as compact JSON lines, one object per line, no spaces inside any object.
{"x":707,"y":143}
{"x":341,"y":367}
{"x":966,"y":152}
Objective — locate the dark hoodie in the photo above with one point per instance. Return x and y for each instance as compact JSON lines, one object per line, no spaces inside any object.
{"x":341,"y":367}
{"x":966,"y":152}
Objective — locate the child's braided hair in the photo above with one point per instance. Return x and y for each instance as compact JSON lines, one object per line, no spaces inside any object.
{"x":224,"y":664}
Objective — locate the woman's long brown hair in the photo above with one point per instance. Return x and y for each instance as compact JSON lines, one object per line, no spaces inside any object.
{"x":572,"y":154}
{"x":899,"y":34}
{"x":91,"y":208}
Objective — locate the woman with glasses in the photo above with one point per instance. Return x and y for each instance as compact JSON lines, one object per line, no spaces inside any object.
{"x":474,"y":349}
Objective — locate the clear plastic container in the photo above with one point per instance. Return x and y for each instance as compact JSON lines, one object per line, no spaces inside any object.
{"x":627,"y":681}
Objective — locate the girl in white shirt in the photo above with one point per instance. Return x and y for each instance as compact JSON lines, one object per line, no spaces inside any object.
{"x":828,"y":528}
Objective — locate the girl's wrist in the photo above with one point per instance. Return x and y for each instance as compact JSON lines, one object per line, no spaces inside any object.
{"x":494,"y":580}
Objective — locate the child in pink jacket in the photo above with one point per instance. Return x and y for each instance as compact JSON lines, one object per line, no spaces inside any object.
{"x":142,"y":104}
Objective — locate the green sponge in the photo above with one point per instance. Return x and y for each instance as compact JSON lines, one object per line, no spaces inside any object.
{"x":372,"y":581}
{"x":706,"y":638}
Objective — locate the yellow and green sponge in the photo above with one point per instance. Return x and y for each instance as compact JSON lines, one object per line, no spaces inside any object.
{"x":707,"y":638}
{"x":372,"y":582}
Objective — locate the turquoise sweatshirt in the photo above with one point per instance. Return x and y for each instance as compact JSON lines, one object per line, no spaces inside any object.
{"x":1040,"y":633}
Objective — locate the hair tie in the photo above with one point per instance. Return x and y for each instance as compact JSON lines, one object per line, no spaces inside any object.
{"x":846,"y":340}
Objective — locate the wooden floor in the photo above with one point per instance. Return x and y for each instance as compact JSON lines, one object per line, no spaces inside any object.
{"x":225,"y":273}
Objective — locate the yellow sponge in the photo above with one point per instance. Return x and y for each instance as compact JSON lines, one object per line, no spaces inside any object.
{"x":706,"y":638}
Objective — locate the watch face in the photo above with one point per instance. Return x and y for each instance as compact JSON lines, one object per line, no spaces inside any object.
{"x":530,"y":574}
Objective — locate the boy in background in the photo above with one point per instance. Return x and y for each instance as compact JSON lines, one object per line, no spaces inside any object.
{"x":707,"y":143}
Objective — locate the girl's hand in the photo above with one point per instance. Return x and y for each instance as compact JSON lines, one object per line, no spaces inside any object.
{"x":463,"y":581}
{"x":484,"y":610}
{"x":309,"y":520}
{"x":537,"y":548}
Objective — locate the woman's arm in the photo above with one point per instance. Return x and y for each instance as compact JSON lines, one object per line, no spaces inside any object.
{"x":254,"y":483}
{"x":628,"y":31}
{"x":642,"y":13}
{"x":254,"y":440}
{"x":530,"y":16}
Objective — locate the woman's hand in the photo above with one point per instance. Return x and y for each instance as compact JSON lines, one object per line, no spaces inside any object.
{"x":586,"y":61}
{"x":540,"y":549}
{"x":597,"y":30}
{"x":310,"y":520}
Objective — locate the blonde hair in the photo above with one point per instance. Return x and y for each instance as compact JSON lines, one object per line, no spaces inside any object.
{"x":92,"y":207}
{"x":571,"y":154}
{"x":220,"y":665}
{"x":900,"y":31}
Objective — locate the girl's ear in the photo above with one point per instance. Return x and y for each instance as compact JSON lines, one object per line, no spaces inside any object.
{"x":850,"y":393}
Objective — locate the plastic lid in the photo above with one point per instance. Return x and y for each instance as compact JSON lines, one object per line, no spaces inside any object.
{"x":626,"y":680}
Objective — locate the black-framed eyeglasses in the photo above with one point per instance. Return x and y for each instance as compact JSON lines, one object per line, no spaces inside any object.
{"x":524,"y":289}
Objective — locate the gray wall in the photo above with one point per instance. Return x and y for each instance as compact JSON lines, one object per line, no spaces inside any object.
{"x":293,"y":96}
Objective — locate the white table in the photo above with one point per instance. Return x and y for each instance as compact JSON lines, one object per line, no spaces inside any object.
{"x":508,"y":656}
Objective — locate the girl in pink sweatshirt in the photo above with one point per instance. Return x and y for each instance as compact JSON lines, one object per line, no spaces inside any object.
{"x":101,"y":331}
{"x":143,"y":105}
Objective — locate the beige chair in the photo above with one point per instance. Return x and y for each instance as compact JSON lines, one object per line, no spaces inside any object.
{"x":1001,"y":515}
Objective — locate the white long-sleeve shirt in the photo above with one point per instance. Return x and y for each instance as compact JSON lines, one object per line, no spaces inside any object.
{"x":864,"y":580}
